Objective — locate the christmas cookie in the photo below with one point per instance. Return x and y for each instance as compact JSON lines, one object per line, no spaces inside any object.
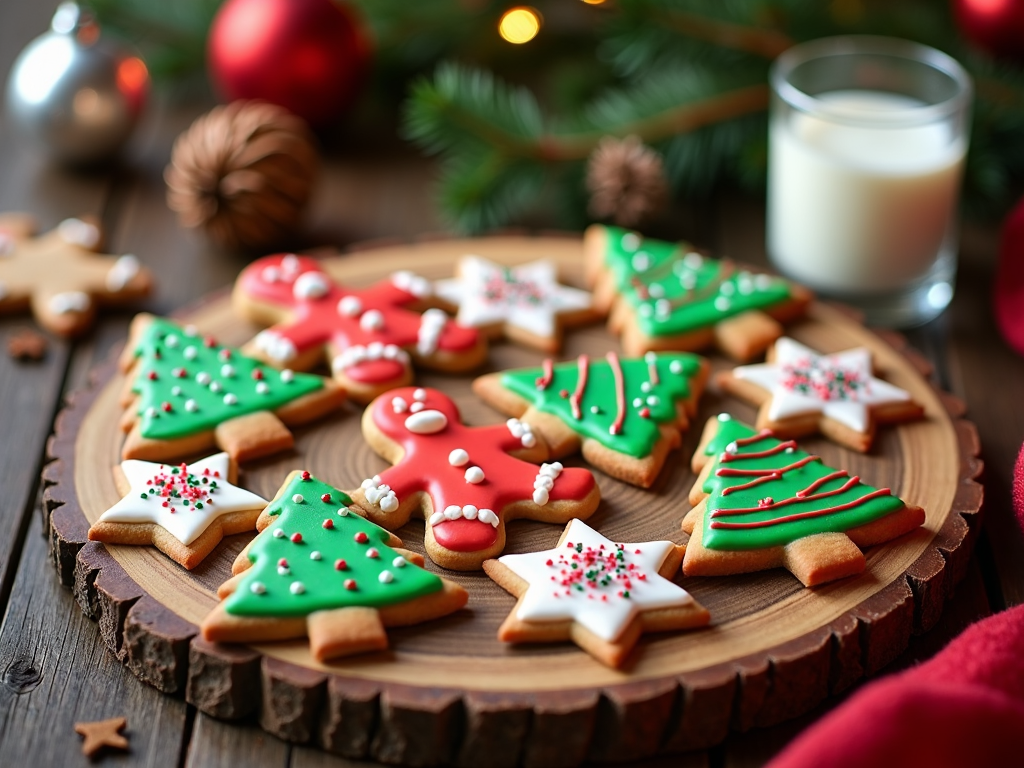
{"x":467,"y":482}
{"x":526,"y":303}
{"x":625,"y":414}
{"x":667,"y":296}
{"x":320,"y":571}
{"x":760,"y":502}
{"x":369,"y":335}
{"x":59,"y":275}
{"x":599,"y":594}
{"x":184,"y":394}
{"x":184,"y":510}
{"x":801,"y":392}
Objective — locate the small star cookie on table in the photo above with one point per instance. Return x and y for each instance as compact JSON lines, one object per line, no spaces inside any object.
{"x":600,"y":594}
{"x":525,"y":303}
{"x":801,"y":391}
{"x":59,"y":275}
{"x":102,"y":734}
{"x":184,"y":510}
{"x":369,"y":335}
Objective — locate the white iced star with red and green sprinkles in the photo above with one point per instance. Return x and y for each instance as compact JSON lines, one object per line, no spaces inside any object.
{"x":594,"y":581}
{"x":181,"y":498}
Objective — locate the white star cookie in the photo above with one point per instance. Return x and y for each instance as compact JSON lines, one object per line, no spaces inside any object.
{"x":801,"y":391}
{"x":598,"y":593}
{"x":182,"y":509}
{"x":525,"y":303}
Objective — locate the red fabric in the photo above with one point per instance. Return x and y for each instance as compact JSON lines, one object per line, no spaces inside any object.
{"x":965,"y":707}
{"x":1009,"y":287}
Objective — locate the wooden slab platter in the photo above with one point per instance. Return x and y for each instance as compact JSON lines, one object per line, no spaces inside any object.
{"x":449,"y":692}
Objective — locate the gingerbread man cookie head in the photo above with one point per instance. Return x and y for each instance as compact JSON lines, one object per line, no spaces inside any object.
{"x":466,"y":481}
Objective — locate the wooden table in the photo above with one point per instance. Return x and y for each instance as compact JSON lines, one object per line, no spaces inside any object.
{"x":54,"y":670}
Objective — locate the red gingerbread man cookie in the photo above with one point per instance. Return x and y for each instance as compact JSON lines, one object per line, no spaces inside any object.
{"x":368,"y":335}
{"x":467,"y":482}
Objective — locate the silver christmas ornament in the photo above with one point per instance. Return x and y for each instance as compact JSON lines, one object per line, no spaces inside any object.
{"x":75,"y":93}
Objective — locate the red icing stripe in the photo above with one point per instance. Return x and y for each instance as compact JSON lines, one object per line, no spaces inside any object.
{"x":820,"y":482}
{"x":804,"y":515}
{"x":758,"y":454}
{"x":583,"y":362}
{"x":785,"y":502}
{"x":549,"y":373}
{"x":620,"y":394}
{"x":763,"y":434}
{"x":763,"y":475}
{"x":776,"y":475}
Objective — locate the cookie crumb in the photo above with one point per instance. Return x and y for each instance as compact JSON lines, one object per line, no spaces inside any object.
{"x":27,"y":345}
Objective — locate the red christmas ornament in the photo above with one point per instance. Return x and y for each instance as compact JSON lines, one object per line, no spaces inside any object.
{"x":308,"y":56}
{"x":1009,"y":285}
{"x":996,"y":26}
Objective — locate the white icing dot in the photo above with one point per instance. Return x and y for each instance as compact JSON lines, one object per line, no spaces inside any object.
{"x":675,"y":366}
{"x":152,"y":412}
{"x":229,"y":399}
{"x":350,"y":306}
{"x":420,"y":394}
{"x":315,"y":555}
{"x":176,"y":391}
{"x":343,"y":512}
{"x":731,"y":448}
{"x":469,"y":512}
{"x":399,"y":405}
{"x":297,"y":498}
{"x":724,"y":417}
{"x":283,"y":570}
{"x":594,"y":409}
{"x":270,"y":274}
{"x":262,"y":388}
{"x":257,"y":588}
{"x":646,"y":310}
{"x":722,"y":304}
{"x":645,"y":386}
{"x":372,"y":320}
{"x":190,"y":353}
{"x":727,"y":289}
{"x":215,"y":386}
{"x":641,"y":261}
{"x":656,"y":290}
{"x":650,"y":357}
{"x":278,"y":533}
{"x":693,"y":260}
{"x":630,"y":241}
{"x":297,"y":588}
{"x":399,"y":562}
{"x":203,"y":378}
{"x":310,"y":285}
{"x":171,"y":340}
{"x":789,"y":450}
{"x":191,"y":406}
{"x":372,"y":553}
{"x":637,"y":402}
{"x":458,"y":458}
{"x":287,"y":375}
{"x":540,"y":496}
{"x":416,"y":407}
{"x":227,"y":371}
{"x":385,"y":577}
{"x":426,"y":422}
{"x":653,"y":400}
{"x":474,"y":475}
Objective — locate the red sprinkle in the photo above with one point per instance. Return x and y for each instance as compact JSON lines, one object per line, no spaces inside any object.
{"x":361,"y":538}
{"x":151,"y":375}
{"x":563,"y":393}
{"x":328,"y":524}
{"x":340,"y":565}
{"x":305,"y":475}
{"x":209,"y":341}
{"x":166,"y":407}
{"x":224,"y":354}
{"x":179,"y":373}
{"x":257,"y":374}
{"x":283,"y":562}
{"x":645,"y":413}
{"x":326,"y":498}
{"x":297,"y":537}
{"x":350,"y":584}
{"x":549,"y":562}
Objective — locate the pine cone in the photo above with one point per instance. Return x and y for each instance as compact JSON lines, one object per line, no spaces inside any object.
{"x":626,"y":181}
{"x":244,"y":173}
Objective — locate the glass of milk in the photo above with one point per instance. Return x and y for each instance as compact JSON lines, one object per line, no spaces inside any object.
{"x":867,"y":141}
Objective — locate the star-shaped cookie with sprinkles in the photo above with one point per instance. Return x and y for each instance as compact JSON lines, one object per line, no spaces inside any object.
{"x":60,"y":277}
{"x":525,"y":303}
{"x":801,"y":391}
{"x":600,"y":594}
{"x":184,"y":510}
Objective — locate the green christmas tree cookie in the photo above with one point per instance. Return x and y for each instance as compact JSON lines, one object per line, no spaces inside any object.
{"x":760,"y":502}
{"x":187,"y":393}
{"x":318,"y":569}
{"x":667,"y":296}
{"x":626,"y":414}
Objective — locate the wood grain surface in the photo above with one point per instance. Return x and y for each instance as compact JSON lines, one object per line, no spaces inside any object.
{"x":777,"y":647}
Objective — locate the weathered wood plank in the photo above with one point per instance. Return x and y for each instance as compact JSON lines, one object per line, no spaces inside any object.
{"x":230,"y":745}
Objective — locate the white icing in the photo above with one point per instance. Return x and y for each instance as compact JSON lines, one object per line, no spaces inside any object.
{"x":372,"y":320}
{"x":458,"y":458}
{"x":78,"y":232}
{"x":534,"y":299}
{"x":297,"y":498}
{"x":385,"y":577}
{"x":229,"y":398}
{"x":416,"y":407}
{"x":399,"y":405}
{"x":350,"y":306}
{"x":469,"y":512}
{"x":203,"y":378}
{"x":227,"y":370}
{"x":184,"y":524}
{"x":262,"y":388}
{"x":258,"y":588}
{"x":544,"y":601}
{"x":297,"y":588}
{"x":276,"y":346}
{"x":69,"y":301}
{"x":287,"y":375}
{"x":544,"y":482}
{"x":419,"y":394}
{"x":523,"y":431}
{"x":315,"y":555}
{"x":426,"y":422}
{"x":380,"y":494}
{"x":399,"y":562}
{"x":270,"y":275}
{"x":290,"y":265}
{"x":854,"y":412}
{"x":432,"y":323}
{"x":474,"y":475}
{"x":311,"y":285}
{"x":358,"y":353}
{"x":124,"y":269}
{"x":411,"y":283}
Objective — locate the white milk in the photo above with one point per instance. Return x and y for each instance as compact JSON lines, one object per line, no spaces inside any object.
{"x":856,"y":209}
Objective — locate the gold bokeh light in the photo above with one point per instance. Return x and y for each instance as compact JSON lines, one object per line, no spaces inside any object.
{"x":519,"y":25}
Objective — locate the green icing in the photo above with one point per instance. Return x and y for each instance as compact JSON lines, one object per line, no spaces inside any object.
{"x":792,"y":481}
{"x":638,"y":434}
{"x":165,"y":347}
{"x":323,"y":583}
{"x":684,"y":290}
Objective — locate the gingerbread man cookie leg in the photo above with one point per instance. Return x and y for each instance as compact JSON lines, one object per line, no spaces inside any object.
{"x":595,"y":592}
{"x":467,"y":482}
{"x":61,"y":276}
{"x":626,"y":414}
{"x":369,"y":336}
{"x":667,"y":296}
{"x":761,"y":503}
{"x":186,"y":393}
{"x":318,"y":570}
{"x":801,"y":392}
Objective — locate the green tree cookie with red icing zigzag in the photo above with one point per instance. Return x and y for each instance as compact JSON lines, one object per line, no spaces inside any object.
{"x":626,"y":414}
{"x":319,"y":570}
{"x":665,"y":296}
{"x":186,"y":393}
{"x":760,"y":502}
